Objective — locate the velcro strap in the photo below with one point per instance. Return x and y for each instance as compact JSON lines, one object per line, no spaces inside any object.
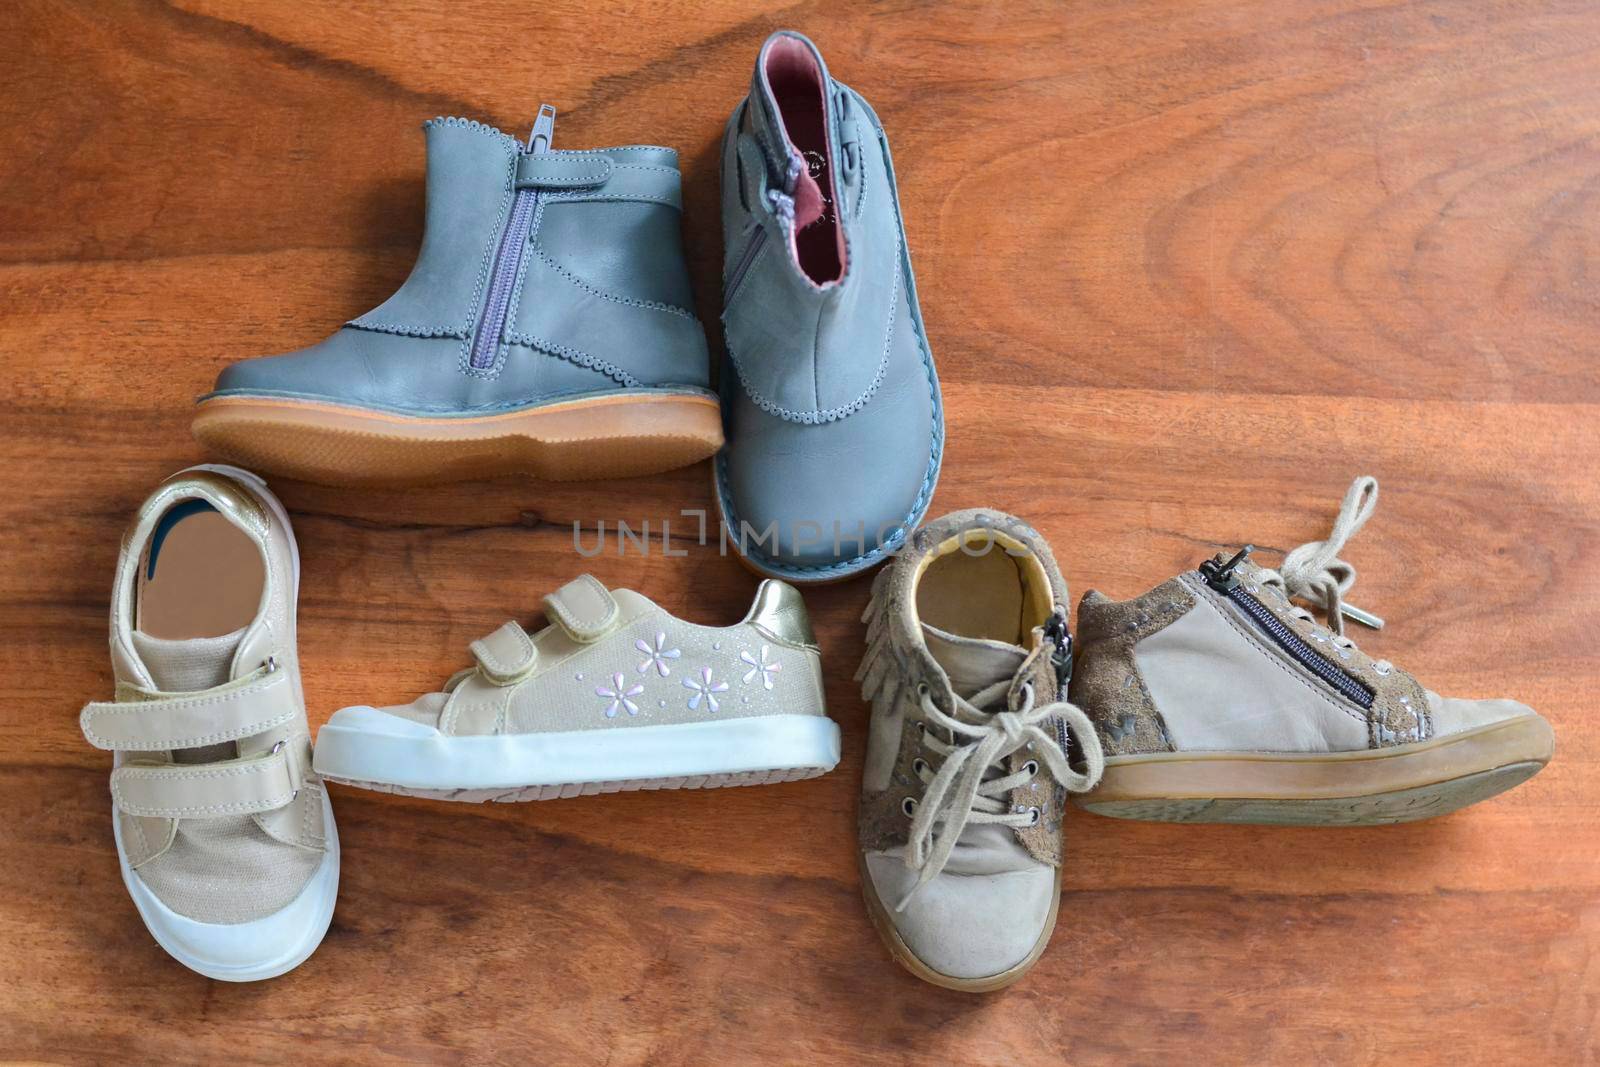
{"x":506,"y":656}
{"x":262,"y":701}
{"x":207,"y":790}
{"x":583,"y":608}
{"x":562,"y":170}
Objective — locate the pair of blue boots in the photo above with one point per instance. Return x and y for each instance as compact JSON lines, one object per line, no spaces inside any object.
{"x":548,"y":328}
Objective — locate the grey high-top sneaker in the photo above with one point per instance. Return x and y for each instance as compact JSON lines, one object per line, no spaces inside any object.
{"x":224,"y":833}
{"x":834,"y":422}
{"x":961,"y":798}
{"x":546,"y":328}
{"x":1219,"y":699}
{"x":615,"y":694}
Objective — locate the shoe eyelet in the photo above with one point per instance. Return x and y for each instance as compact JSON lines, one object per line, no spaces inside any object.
{"x":908,"y":807}
{"x":1382,"y":672}
{"x":919,"y":765}
{"x":1033,"y":816}
{"x":1032,"y":767}
{"x":922,"y":689}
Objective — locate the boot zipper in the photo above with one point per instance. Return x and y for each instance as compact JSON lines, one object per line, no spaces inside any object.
{"x":1222,"y":579}
{"x":751,"y":248}
{"x":508,"y":256}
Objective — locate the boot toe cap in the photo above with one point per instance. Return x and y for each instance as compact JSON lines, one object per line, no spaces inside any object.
{"x":814,"y":502}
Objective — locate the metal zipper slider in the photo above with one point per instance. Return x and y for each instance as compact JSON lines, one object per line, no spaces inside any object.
{"x":544,"y":129}
{"x":1355,"y":614}
{"x":1221,"y":577}
{"x":1055,"y":628}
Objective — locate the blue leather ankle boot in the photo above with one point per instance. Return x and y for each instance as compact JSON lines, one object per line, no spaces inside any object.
{"x":547,"y":328}
{"x":831,"y":405}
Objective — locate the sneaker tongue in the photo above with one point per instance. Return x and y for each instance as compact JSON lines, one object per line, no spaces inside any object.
{"x":973,"y":663}
{"x":187,"y":665}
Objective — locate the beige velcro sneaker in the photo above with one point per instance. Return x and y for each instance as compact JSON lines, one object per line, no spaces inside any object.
{"x":613,"y":694}
{"x":223,"y":830}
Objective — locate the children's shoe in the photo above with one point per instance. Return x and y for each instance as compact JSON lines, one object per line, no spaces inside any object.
{"x":967,"y":757}
{"x":223,"y":829}
{"x":1219,"y":699}
{"x":614,"y":695}
{"x":834,"y":422}
{"x":547,"y":328}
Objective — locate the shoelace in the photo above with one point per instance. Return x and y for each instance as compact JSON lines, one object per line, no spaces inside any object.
{"x":1315,"y":573}
{"x":957,"y":794}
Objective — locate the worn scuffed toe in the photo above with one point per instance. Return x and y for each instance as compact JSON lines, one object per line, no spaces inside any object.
{"x":968,"y":927}
{"x":1454,"y":714}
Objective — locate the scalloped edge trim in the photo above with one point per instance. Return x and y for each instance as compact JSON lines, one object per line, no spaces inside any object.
{"x":402,"y":329}
{"x":483,"y":127}
{"x":843,"y":411}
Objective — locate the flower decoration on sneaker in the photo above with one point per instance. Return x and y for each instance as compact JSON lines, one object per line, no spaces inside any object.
{"x":760,"y":666}
{"x":618,"y":696}
{"x":656,"y":655}
{"x":704,"y":689}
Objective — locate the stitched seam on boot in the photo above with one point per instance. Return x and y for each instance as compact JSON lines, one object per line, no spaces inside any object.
{"x":574,"y":355}
{"x":468,"y":124}
{"x":408,"y":330}
{"x":592,"y":290}
{"x":817,"y":417}
{"x":580,"y":195}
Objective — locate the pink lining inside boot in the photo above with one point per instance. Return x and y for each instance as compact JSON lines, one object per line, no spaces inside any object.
{"x":796,"y":82}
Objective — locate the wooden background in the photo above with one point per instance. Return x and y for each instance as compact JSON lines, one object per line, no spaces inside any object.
{"x":1187,"y":269}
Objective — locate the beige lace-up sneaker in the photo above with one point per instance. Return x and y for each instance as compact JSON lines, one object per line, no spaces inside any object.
{"x":224,"y":833}
{"x":1219,"y":699}
{"x":615,"y":694}
{"x":961,"y":797}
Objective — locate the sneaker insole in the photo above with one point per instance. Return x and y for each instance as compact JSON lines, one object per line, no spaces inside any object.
{"x":202,"y":576}
{"x":978,"y":596}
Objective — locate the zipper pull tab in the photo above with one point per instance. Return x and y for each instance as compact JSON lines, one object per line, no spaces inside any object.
{"x":1355,"y":614}
{"x":544,"y":129}
{"x":1221,"y":578}
{"x":1055,"y":628}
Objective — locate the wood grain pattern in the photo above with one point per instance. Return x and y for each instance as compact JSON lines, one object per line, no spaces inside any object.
{"x":1187,"y":269}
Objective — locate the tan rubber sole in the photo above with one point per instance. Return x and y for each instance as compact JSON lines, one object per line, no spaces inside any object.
{"x":906,"y":958}
{"x":1387,"y":785}
{"x":617,"y":436}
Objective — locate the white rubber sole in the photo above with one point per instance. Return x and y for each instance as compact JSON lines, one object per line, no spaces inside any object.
{"x":250,"y":951}
{"x":365,"y":747}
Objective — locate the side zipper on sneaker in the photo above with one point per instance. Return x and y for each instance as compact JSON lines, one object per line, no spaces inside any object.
{"x":508,"y":255}
{"x":1222,"y":579}
{"x":1060,"y":637}
{"x":752,"y":248}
